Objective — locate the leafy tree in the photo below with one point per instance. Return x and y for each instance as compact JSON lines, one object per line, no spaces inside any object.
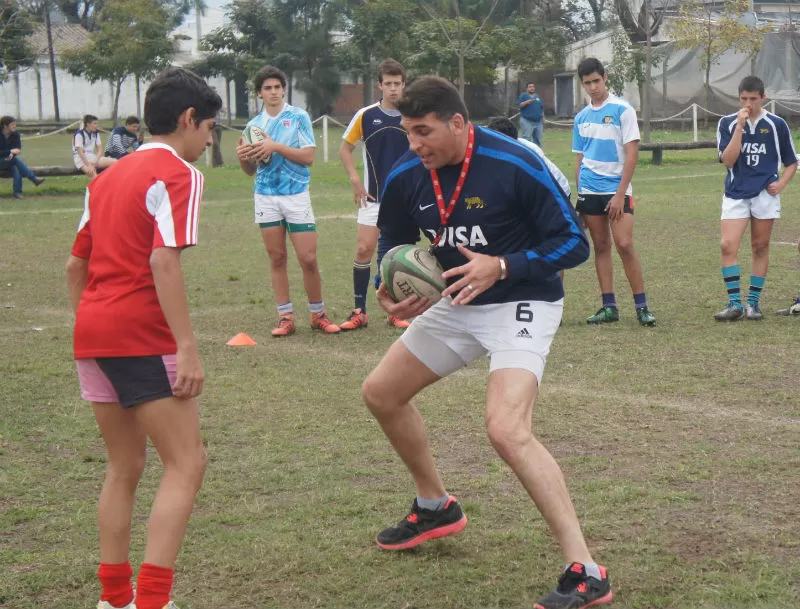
{"x":436,"y":54}
{"x":377,"y":30}
{"x":459,"y":34}
{"x":714,"y":32}
{"x":145,"y":49}
{"x":224,"y":55}
{"x":293,"y":35}
{"x":303,"y":43}
{"x":86,"y":12}
{"x":15,"y":30}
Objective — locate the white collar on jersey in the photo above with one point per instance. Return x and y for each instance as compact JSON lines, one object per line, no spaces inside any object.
{"x":264,"y":110}
{"x":754,"y":122}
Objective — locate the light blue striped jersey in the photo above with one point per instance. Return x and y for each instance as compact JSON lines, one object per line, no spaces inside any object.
{"x":292,"y":127}
{"x":600,"y":135}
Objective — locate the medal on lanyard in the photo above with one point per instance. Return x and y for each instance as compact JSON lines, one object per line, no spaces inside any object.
{"x":445,"y":212}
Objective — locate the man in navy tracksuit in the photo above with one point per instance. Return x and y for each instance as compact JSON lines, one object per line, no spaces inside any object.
{"x":502,"y":230}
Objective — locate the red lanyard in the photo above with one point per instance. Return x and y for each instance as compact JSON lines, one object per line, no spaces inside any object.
{"x":444,"y":213}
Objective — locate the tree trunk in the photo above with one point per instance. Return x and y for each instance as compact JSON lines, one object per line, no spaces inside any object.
{"x":52,"y":56}
{"x":138,"y":97}
{"x":664,"y":82}
{"x":115,"y":110}
{"x":648,"y":75}
{"x":39,"y":90}
{"x":198,"y":28}
{"x":228,"y":99}
{"x":461,"y":73}
{"x":366,"y":96}
{"x":507,"y":99}
{"x":707,"y":93}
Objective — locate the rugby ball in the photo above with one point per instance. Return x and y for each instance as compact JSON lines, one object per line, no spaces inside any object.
{"x":409,"y":270}
{"x":254,"y":135}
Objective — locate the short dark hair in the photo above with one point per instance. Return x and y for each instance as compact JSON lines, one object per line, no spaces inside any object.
{"x":751,"y":84}
{"x":5,"y":121}
{"x":268,"y":72}
{"x":132,"y":120}
{"x":590,"y":65}
{"x":503,"y":125}
{"x":529,"y":84}
{"x":390,"y":67}
{"x":88,"y":118}
{"x":173,"y":92}
{"x":432,"y":94}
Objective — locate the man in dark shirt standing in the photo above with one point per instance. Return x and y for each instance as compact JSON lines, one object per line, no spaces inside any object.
{"x":531,"y":114}
{"x":502,"y":234}
{"x":10,"y":155}
{"x":123,"y":140}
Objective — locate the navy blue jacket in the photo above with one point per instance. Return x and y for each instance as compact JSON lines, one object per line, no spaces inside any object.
{"x":510,"y":206}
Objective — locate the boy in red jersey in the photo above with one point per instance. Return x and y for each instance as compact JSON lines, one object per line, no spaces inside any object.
{"x":134,"y":345}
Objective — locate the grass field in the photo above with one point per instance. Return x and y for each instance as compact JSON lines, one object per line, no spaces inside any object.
{"x":680,"y":443}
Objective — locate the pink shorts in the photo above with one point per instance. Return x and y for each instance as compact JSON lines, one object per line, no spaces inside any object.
{"x":127,"y":380}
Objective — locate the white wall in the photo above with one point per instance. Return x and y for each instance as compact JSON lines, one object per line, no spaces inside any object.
{"x":76,"y":96}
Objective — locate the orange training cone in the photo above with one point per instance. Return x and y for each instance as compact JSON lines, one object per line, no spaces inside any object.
{"x":241,"y":340}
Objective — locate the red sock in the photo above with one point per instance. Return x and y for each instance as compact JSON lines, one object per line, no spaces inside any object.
{"x":153,"y":586}
{"x":116,"y":582}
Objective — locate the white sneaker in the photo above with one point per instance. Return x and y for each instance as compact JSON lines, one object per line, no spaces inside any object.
{"x":107,"y":605}
{"x":792,"y":310}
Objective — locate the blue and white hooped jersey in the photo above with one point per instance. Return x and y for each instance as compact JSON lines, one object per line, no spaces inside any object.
{"x":600,"y":135}
{"x":766,"y":143}
{"x":292,"y":127}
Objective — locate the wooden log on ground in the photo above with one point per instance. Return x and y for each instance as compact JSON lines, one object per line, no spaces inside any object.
{"x":47,"y":172}
{"x":658,"y":148}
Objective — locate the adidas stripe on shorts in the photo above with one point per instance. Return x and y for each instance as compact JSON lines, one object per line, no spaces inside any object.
{"x":513,"y":335}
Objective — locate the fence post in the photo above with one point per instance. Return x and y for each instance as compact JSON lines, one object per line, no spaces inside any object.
{"x":325,"y":138}
{"x":772,"y":106}
{"x":694,"y":120}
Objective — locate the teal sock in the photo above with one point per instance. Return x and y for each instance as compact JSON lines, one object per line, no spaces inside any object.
{"x":756,"y":285}
{"x":731,"y":276}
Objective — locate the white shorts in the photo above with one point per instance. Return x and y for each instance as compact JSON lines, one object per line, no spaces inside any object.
{"x":513,"y":334}
{"x":292,"y":211}
{"x":764,"y":206}
{"x":92,"y":158}
{"x":368,"y":216}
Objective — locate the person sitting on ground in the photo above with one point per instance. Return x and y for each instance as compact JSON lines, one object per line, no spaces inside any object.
{"x":10,"y":151}
{"x":86,"y":147}
{"x":124,"y":139}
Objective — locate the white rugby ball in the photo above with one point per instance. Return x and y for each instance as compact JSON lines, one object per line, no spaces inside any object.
{"x":254,"y":135}
{"x":409,"y":270}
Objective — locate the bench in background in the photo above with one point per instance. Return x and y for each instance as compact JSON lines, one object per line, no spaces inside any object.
{"x":658,"y":148}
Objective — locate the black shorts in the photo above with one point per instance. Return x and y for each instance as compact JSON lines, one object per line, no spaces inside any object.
{"x":595,"y":205}
{"x":127,"y":380}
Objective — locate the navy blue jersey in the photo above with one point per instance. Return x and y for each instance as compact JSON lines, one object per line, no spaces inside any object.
{"x":510,"y":206}
{"x":766,"y":143}
{"x":383,"y":141}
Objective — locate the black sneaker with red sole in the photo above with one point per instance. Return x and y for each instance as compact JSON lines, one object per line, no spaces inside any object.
{"x":422,"y":525}
{"x":577,"y":590}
